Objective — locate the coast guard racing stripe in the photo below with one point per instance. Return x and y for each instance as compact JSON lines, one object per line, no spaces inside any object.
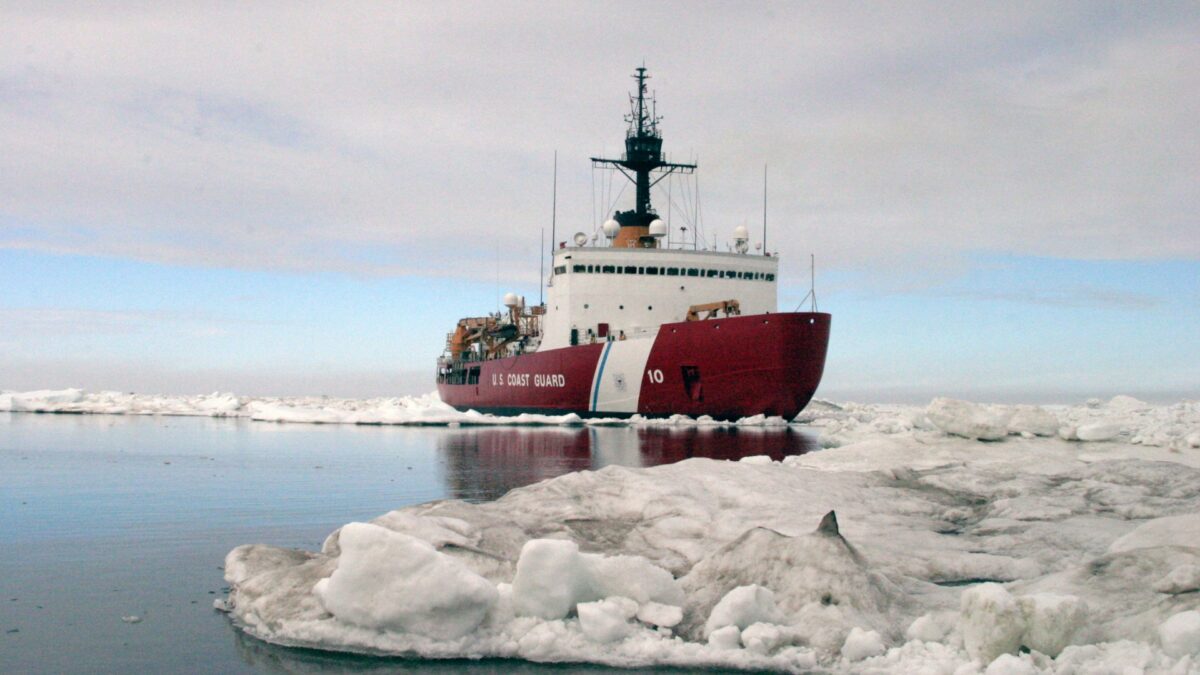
{"x":620,"y":372}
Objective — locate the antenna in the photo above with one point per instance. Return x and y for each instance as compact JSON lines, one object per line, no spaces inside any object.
{"x":542,"y":267}
{"x":812,"y":279}
{"x":554,"y":207}
{"x":764,"y":207}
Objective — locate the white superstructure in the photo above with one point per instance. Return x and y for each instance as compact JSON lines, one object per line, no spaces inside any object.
{"x":605,"y":292}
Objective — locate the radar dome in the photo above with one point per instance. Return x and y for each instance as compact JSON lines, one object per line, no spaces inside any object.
{"x":658,"y":228}
{"x":510,"y":300}
{"x":740,"y":233}
{"x":580,"y":238}
{"x":611,"y":228}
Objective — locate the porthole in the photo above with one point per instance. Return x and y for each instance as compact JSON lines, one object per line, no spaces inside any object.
{"x":585,"y":306}
{"x":620,"y":306}
{"x":650,"y":307}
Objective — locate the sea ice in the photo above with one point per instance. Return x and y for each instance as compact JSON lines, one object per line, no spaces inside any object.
{"x":1026,"y":553}
{"x":945,"y":553}
{"x":861,"y":644}
{"x":992,"y":622}
{"x":741,"y":607}
{"x":1180,"y":634}
{"x":391,"y":581}
{"x":968,"y":420}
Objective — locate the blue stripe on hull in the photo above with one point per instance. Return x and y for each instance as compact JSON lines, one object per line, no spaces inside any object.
{"x":600,"y":375}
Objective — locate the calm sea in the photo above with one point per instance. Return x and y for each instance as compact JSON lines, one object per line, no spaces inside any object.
{"x":105,"y":517}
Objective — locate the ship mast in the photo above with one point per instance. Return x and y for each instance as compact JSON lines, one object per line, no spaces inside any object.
{"x":643,"y":156}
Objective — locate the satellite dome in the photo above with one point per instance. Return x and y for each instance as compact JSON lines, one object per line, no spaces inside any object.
{"x":510,"y":300}
{"x":611,"y":228}
{"x":658,"y":228}
{"x":740,"y":233}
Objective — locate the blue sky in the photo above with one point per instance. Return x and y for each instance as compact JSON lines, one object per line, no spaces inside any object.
{"x":1002,"y":199}
{"x":1009,"y":329}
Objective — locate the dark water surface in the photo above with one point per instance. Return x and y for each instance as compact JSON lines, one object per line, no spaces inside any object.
{"x":104,"y":517}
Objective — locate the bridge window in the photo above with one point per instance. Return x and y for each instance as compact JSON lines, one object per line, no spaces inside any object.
{"x":580,"y":268}
{"x":561,"y":269}
{"x":770,"y":277}
{"x":672,"y":271}
{"x":652,"y":270}
{"x":631,"y":270}
{"x":608,"y":269}
{"x":710,"y":273}
{"x":693,"y":272}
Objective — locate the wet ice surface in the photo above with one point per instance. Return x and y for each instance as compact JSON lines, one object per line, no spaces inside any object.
{"x":104,"y":517}
{"x":967,"y":538}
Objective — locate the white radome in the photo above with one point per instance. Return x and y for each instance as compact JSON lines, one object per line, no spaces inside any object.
{"x":511,"y":300}
{"x":611,"y":228}
{"x":740,"y":233}
{"x":658,"y":228}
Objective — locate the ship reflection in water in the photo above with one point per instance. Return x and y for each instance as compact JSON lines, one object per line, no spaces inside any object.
{"x":483,"y":463}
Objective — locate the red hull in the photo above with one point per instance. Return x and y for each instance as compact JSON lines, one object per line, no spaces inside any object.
{"x":726,"y":368}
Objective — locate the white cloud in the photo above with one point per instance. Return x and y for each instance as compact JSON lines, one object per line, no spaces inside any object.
{"x":417,"y":138}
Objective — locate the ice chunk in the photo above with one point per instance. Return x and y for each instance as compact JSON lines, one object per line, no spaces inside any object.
{"x":741,"y":607}
{"x":761,"y":460}
{"x":552,"y":577}
{"x":861,"y":644}
{"x":960,"y":418}
{"x":1035,"y":420}
{"x":1127,"y":404}
{"x":1181,"y":530}
{"x":607,"y":620}
{"x":931,"y":627}
{"x":1182,"y":579}
{"x":390,"y":581}
{"x":819,"y":568}
{"x":1098,"y":431}
{"x":728,"y":637}
{"x":658,"y":614}
{"x":992,"y":622}
{"x":1051,"y":621}
{"x":1009,"y":664}
{"x":632,"y":577}
{"x":764,"y":638}
{"x":1180,"y":634}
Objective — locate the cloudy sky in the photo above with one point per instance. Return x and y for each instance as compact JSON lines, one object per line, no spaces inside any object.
{"x":1002,"y":198}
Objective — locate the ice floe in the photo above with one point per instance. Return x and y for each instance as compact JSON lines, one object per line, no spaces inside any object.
{"x":908,"y":544}
{"x":1121,"y":419}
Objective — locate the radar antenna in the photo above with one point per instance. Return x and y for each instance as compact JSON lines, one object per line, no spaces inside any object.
{"x":643,"y":156}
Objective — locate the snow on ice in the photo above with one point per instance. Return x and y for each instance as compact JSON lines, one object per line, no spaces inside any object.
{"x":967,"y":538}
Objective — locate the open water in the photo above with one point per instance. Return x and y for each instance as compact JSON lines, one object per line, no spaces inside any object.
{"x":104,"y":518}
